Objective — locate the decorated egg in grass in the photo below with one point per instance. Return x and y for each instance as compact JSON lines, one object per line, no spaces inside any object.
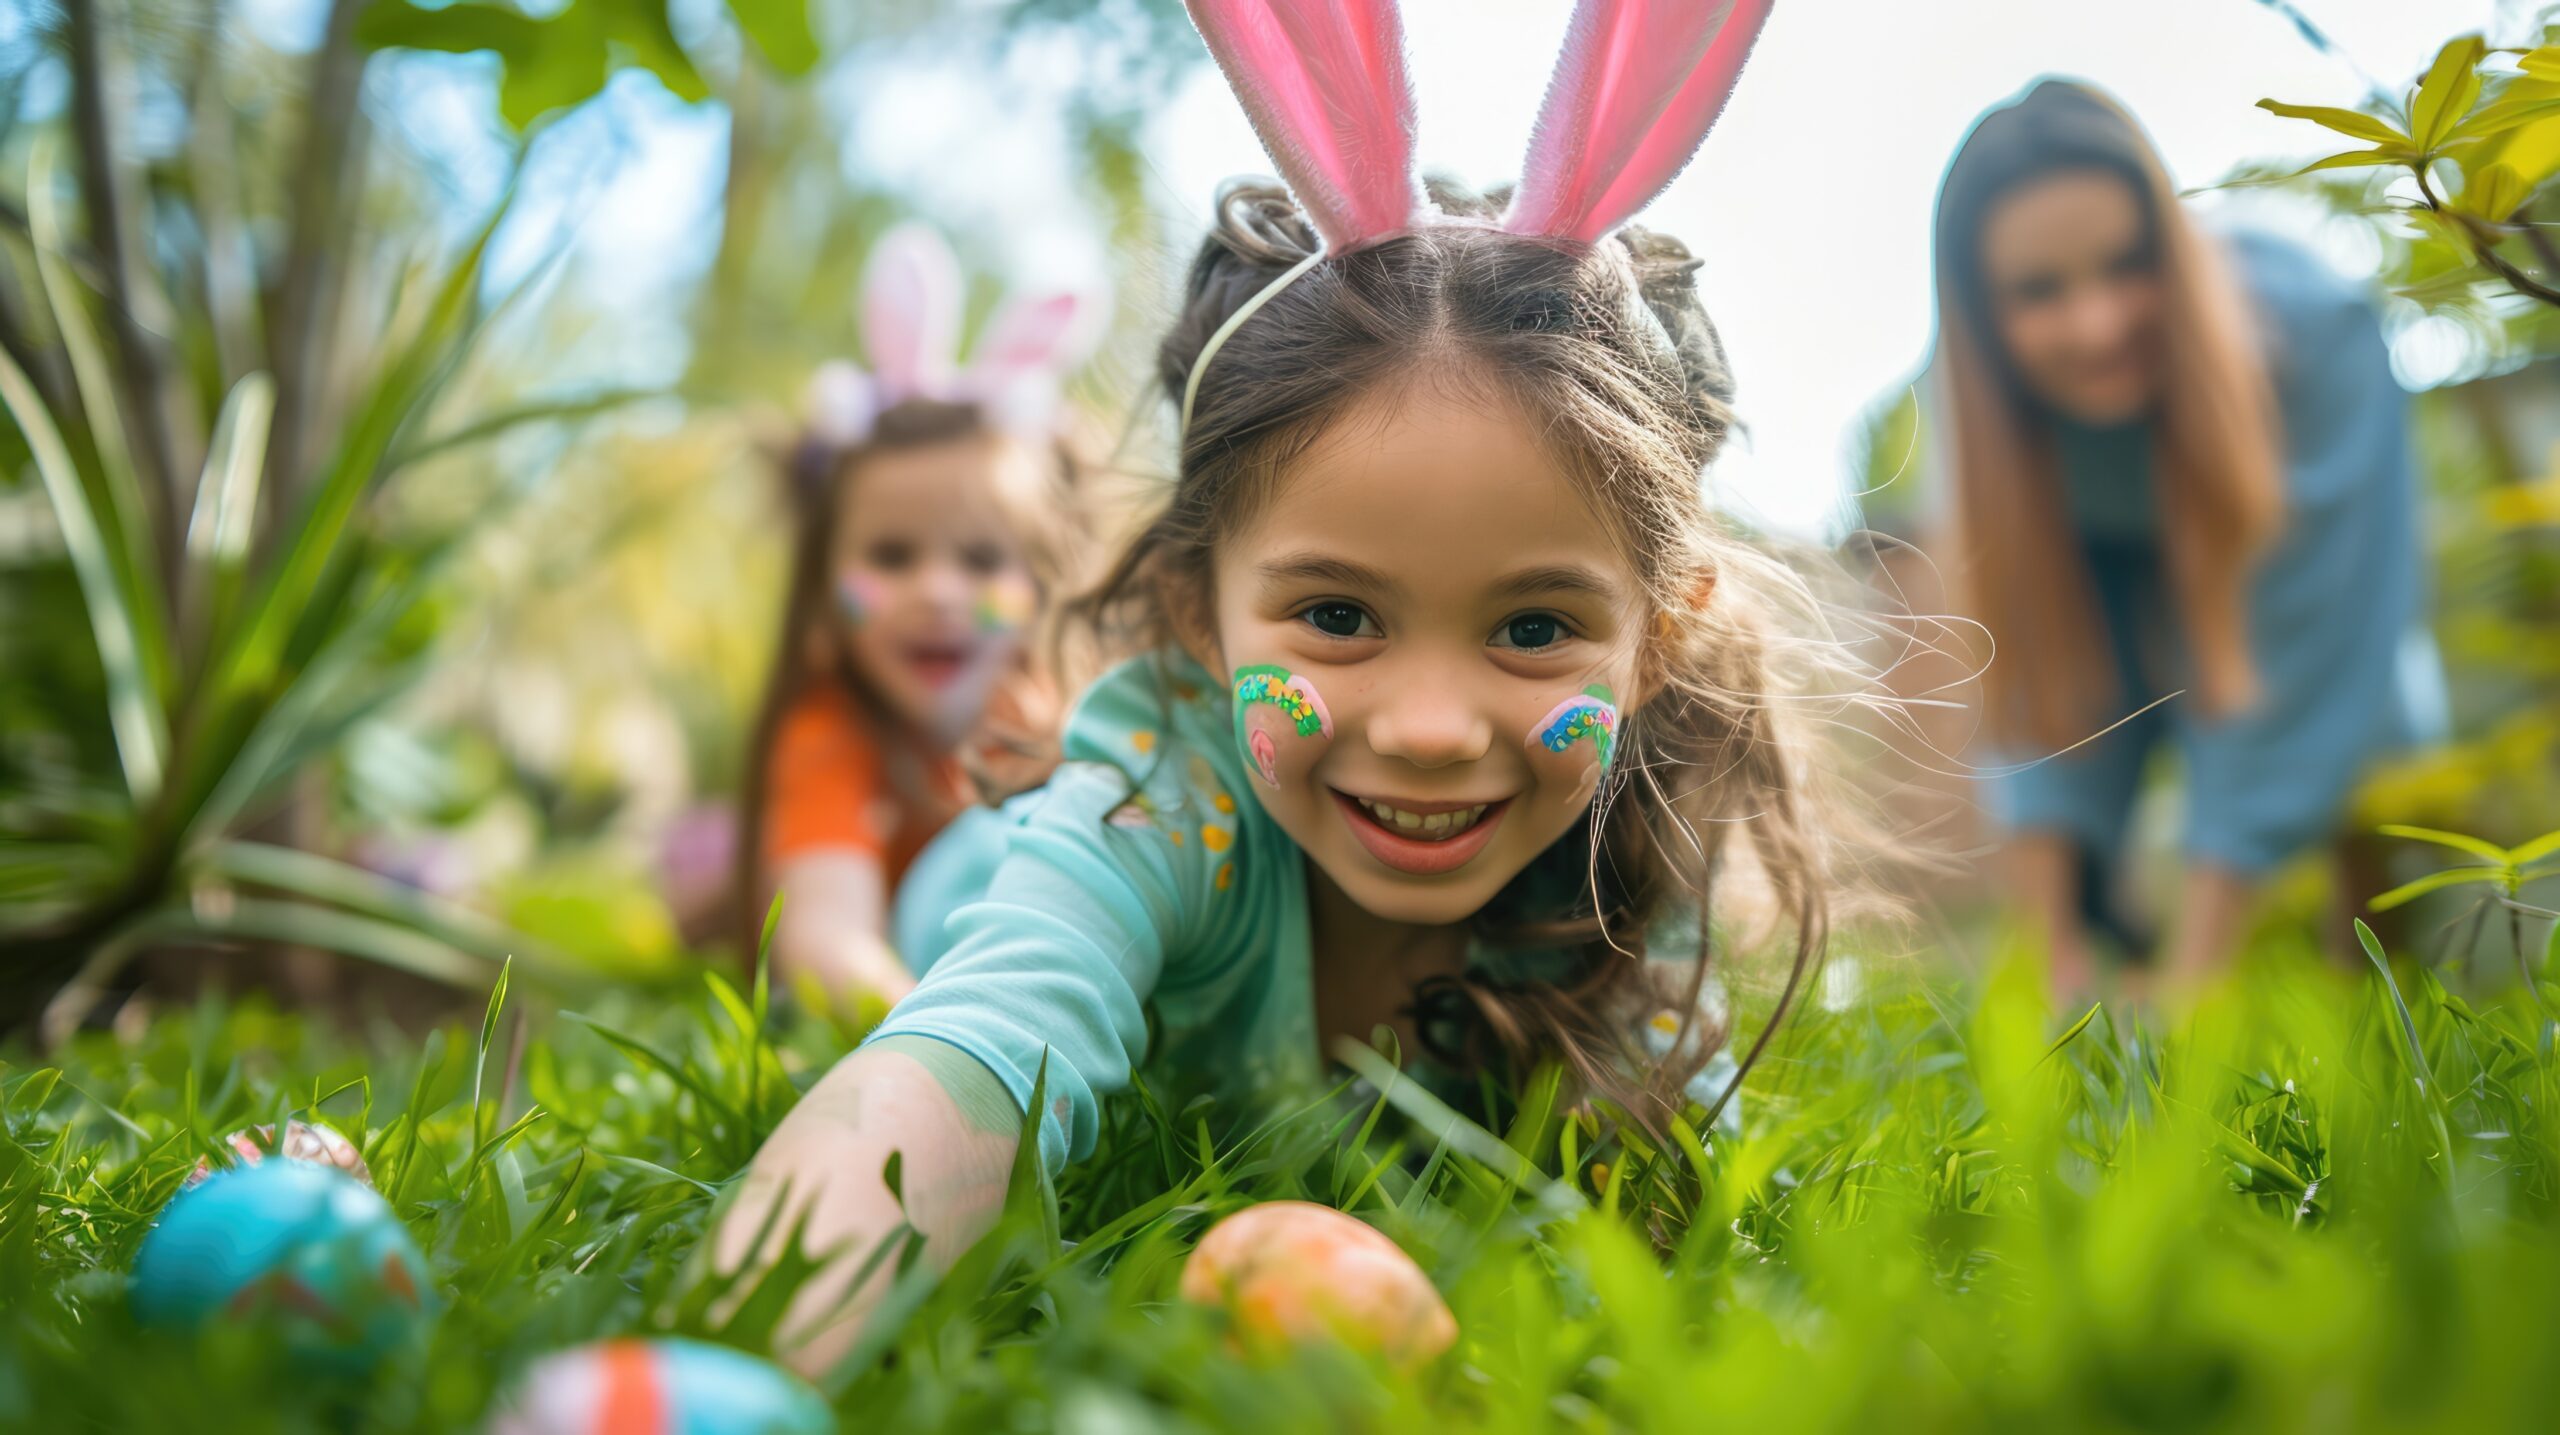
{"x":1291,"y":1271}
{"x":661,"y":1387}
{"x":301,"y":1245}
{"x":303,"y":1141}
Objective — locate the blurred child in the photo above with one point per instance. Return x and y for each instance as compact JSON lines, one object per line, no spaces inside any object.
{"x":933,"y":524}
{"x":1454,"y":701}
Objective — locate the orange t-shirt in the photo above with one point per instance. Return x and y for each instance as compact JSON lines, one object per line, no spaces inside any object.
{"x":829,"y":787}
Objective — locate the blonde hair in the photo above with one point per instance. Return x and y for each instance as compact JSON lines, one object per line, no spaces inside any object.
{"x":2220,"y":495}
{"x":1610,"y":352}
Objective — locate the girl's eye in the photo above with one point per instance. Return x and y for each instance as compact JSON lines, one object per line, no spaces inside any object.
{"x":982,"y":559}
{"x":1531,"y":632}
{"x":891,"y":556}
{"x":1341,"y":620}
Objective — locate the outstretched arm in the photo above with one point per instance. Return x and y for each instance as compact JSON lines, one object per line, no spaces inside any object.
{"x":956,"y":1129}
{"x":834,"y":914}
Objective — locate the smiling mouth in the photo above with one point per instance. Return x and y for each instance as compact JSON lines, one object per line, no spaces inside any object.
{"x":1421,"y":825}
{"x":938,"y":665}
{"x":1422,"y":839}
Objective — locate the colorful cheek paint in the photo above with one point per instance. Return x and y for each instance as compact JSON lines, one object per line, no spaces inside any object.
{"x":1005,"y":605}
{"x":1593,"y":715}
{"x":858,"y":596}
{"x":1272,"y":704}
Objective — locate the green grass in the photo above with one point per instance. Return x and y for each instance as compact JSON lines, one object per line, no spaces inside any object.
{"x":1948,"y":1208}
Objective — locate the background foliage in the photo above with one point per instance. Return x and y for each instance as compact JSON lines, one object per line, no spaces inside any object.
{"x":353,"y":601}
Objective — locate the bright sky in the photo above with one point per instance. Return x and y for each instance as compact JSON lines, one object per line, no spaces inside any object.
{"x":1810,"y":203}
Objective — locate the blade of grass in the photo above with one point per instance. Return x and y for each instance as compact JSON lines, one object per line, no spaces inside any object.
{"x":2065,"y":1039}
{"x":1447,"y":1126}
{"x":480,"y":1069}
{"x":2419,"y":1070}
{"x":683,"y":1075}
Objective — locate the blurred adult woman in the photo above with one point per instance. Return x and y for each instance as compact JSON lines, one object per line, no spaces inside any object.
{"x":2180,"y":465}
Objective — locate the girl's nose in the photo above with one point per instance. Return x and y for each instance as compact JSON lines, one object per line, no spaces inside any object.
{"x":1428,"y":719}
{"x":948,"y":585}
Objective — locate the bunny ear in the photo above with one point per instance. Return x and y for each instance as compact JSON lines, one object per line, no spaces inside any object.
{"x":911,"y":299}
{"x":1044,"y":333}
{"x":1637,"y":87}
{"x":1026,"y":347}
{"x":1324,"y":83}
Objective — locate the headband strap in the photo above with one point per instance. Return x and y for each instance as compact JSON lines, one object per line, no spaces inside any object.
{"x":1235,"y":321}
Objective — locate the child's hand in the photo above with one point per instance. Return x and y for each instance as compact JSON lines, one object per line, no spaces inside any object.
{"x":956,"y":1129}
{"x":857,"y":977}
{"x":1015,"y":745}
{"x":834,"y":908}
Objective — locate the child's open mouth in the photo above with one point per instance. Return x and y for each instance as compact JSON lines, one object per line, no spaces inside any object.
{"x":937,"y":665}
{"x":1424,"y":839}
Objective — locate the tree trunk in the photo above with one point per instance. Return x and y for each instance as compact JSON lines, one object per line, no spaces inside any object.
{"x":101,"y":96}
{"x":327,"y":179}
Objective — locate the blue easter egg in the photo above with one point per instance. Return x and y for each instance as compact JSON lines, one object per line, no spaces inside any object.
{"x":302,"y":1245}
{"x":661,"y":1387}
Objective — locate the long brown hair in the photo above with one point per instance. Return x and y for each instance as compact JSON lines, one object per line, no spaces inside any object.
{"x":1609,"y":350}
{"x":2017,"y":568}
{"x":817,"y":475}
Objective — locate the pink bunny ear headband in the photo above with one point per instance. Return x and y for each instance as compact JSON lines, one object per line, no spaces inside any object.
{"x":912,"y":295}
{"x":1324,"y":82}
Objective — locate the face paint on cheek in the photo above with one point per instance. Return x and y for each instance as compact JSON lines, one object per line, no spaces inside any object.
{"x":1590,"y":717}
{"x":1276,"y":711}
{"x":1005,"y":605}
{"x":857,"y":596}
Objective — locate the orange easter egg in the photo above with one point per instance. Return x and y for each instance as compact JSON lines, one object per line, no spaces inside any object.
{"x":1289,"y":1271}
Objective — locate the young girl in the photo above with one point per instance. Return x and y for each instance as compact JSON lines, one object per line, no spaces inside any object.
{"x":1451,"y":696}
{"x":934,"y":518}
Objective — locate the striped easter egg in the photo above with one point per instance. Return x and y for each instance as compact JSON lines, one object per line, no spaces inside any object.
{"x":660,"y":1387}
{"x":298,"y":1244}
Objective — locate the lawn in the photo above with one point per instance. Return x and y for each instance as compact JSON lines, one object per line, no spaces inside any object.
{"x":2318,"y":1199}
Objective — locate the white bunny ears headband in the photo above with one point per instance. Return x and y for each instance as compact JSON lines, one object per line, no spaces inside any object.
{"x":1324,"y":82}
{"x":912,"y":297}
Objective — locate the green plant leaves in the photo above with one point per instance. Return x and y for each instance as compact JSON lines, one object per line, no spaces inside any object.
{"x":2447,"y":92}
{"x":779,"y":29}
{"x":2476,"y":847}
{"x":2495,"y":192}
{"x":2352,"y":123}
{"x":133,"y":704}
{"x":566,"y":57}
{"x":2432,"y":882}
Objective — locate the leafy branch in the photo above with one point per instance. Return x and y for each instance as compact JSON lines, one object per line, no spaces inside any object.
{"x":2497,"y":131}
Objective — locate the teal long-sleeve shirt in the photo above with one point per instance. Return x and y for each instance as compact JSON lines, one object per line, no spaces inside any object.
{"x":1143,"y":872}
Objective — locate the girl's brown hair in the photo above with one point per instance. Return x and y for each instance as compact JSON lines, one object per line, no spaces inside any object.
{"x":2017,"y":568}
{"x":817,"y":474}
{"x":1610,"y":352}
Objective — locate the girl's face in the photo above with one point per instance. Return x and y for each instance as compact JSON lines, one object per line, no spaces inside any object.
{"x":1430,"y":637}
{"x":2075,"y":292}
{"x":931,"y":590}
